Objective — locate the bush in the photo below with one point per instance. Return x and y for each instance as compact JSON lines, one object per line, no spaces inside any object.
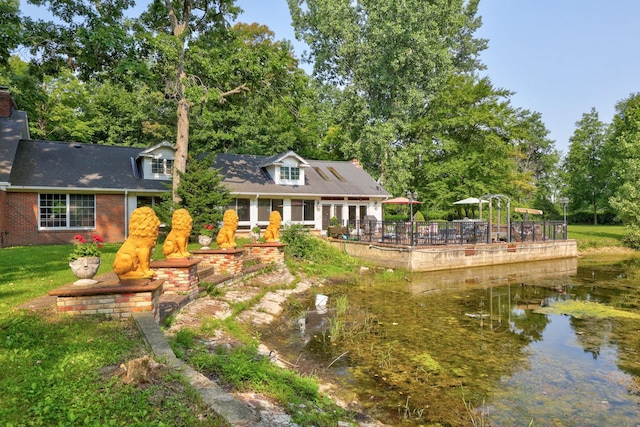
{"x":631,"y":237}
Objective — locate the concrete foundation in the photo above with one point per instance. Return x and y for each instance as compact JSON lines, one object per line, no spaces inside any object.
{"x":434,"y":258}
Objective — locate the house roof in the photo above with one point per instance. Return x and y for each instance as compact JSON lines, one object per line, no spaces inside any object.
{"x":277,"y":159}
{"x":46,"y":164}
{"x":244,"y":174}
{"x":12,"y":129}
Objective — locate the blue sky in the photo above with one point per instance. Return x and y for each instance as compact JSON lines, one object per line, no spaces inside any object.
{"x":560,"y":57}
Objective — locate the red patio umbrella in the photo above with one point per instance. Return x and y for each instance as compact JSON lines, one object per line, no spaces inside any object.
{"x":401,"y":201}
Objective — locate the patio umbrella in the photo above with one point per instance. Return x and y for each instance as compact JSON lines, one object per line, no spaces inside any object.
{"x":401,"y":201}
{"x":469,"y":201}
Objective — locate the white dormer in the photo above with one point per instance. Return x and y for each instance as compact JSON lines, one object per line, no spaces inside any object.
{"x":157,"y":161}
{"x":286,"y":169}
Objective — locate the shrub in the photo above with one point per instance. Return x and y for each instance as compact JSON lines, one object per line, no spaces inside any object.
{"x":631,"y":237}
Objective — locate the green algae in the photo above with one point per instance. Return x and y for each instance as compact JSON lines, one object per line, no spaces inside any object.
{"x":428,"y":362}
{"x":582,"y":309}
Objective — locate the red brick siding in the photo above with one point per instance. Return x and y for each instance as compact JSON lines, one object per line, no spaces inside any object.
{"x":21,"y":216}
{"x":3,"y":218}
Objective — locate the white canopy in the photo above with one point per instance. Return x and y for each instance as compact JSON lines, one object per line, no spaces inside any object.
{"x":469,"y":201}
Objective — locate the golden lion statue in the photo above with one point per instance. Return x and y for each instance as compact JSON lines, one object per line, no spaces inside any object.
{"x":175,"y":245}
{"x":272,"y":233}
{"x":133,"y":257}
{"x":227,"y":234}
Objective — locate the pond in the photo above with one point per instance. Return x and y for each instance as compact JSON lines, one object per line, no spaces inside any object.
{"x":541,"y":344}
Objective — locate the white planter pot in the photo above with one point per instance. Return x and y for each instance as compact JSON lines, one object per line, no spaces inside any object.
{"x":85,"y":268}
{"x":204,"y":241}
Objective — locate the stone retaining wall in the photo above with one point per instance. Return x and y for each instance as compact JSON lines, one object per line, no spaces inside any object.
{"x":433,"y":258}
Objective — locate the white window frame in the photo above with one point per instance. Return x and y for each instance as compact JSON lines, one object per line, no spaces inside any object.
{"x":161,"y":166}
{"x":46,"y":211}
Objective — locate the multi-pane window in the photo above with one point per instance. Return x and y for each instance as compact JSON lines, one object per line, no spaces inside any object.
{"x":302,"y":210}
{"x":266,"y":206}
{"x":241,"y":206}
{"x":162,"y":166}
{"x":67,"y":210}
{"x":289,"y":173}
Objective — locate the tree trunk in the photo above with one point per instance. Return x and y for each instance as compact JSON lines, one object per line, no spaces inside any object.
{"x":182,"y":146}
{"x":595,"y":213}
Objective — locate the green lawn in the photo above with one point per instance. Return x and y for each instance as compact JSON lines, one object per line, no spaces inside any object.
{"x":60,"y":370}
{"x":596,"y":236}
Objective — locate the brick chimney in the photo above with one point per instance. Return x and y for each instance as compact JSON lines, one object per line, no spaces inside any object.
{"x":7,"y":104}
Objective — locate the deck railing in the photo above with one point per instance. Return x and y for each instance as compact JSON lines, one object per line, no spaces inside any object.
{"x":423,"y":233}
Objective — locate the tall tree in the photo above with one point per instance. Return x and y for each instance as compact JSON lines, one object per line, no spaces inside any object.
{"x":275,"y":114}
{"x":464,"y":146}
{"x":535,"y":156}
{"x":622,"y":160}
{"x":388,"y":58}
{"x":585,"y":171}
{"x":176,"y":24}
{"x":92,"y":38}
{"x":10,"y":27}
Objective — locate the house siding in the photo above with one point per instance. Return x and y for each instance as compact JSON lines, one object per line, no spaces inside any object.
{"x":4,"y":224}
{"x":21,"y":221}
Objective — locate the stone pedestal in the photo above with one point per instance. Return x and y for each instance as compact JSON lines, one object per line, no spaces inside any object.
{"x":223,"y":261}
{"x":267,"y":252}
{"x":112,"y":299}
{"x":180,"y":275}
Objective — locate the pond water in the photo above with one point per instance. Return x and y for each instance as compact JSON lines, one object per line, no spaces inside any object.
{"x":472,"y":347}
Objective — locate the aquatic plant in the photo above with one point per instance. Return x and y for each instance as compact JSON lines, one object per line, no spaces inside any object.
{"x":582,"y":309}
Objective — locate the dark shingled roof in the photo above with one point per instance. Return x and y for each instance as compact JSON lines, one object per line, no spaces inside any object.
{"x":41,"y":164}
{"x":244,"y":175}
{"x":12,"y":129}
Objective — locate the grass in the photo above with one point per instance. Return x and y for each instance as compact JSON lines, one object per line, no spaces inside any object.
{"x":596,"y":236}
{"x":61,"y":370}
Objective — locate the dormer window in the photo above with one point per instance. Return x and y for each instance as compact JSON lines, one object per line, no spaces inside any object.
{"x":161,"y":166}
{"x":289,"y":173}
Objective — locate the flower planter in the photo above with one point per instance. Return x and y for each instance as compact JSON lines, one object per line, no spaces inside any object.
{"x":511,"y":248}
{"x":469,"y":251}
{"x":85,"y":269}
{"x":204,"y":241}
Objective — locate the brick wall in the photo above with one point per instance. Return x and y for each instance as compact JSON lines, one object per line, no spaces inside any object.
{"x":6,"y":103}
{"x":112,"y":305}
{"x":21,"y":216}
{"x":3,"y":219}
{"x":268,"y":252}
{"x":179,"y":276}
{"x":223,"y":261}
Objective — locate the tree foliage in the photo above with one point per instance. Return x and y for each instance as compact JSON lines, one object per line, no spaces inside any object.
{"x":10,"y":29}
{"x":202,"y":192}
{"x":585,"y":165}
{"x":395,"y":86}
{"x":622,"y":150}
{"x":389,"y":59}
